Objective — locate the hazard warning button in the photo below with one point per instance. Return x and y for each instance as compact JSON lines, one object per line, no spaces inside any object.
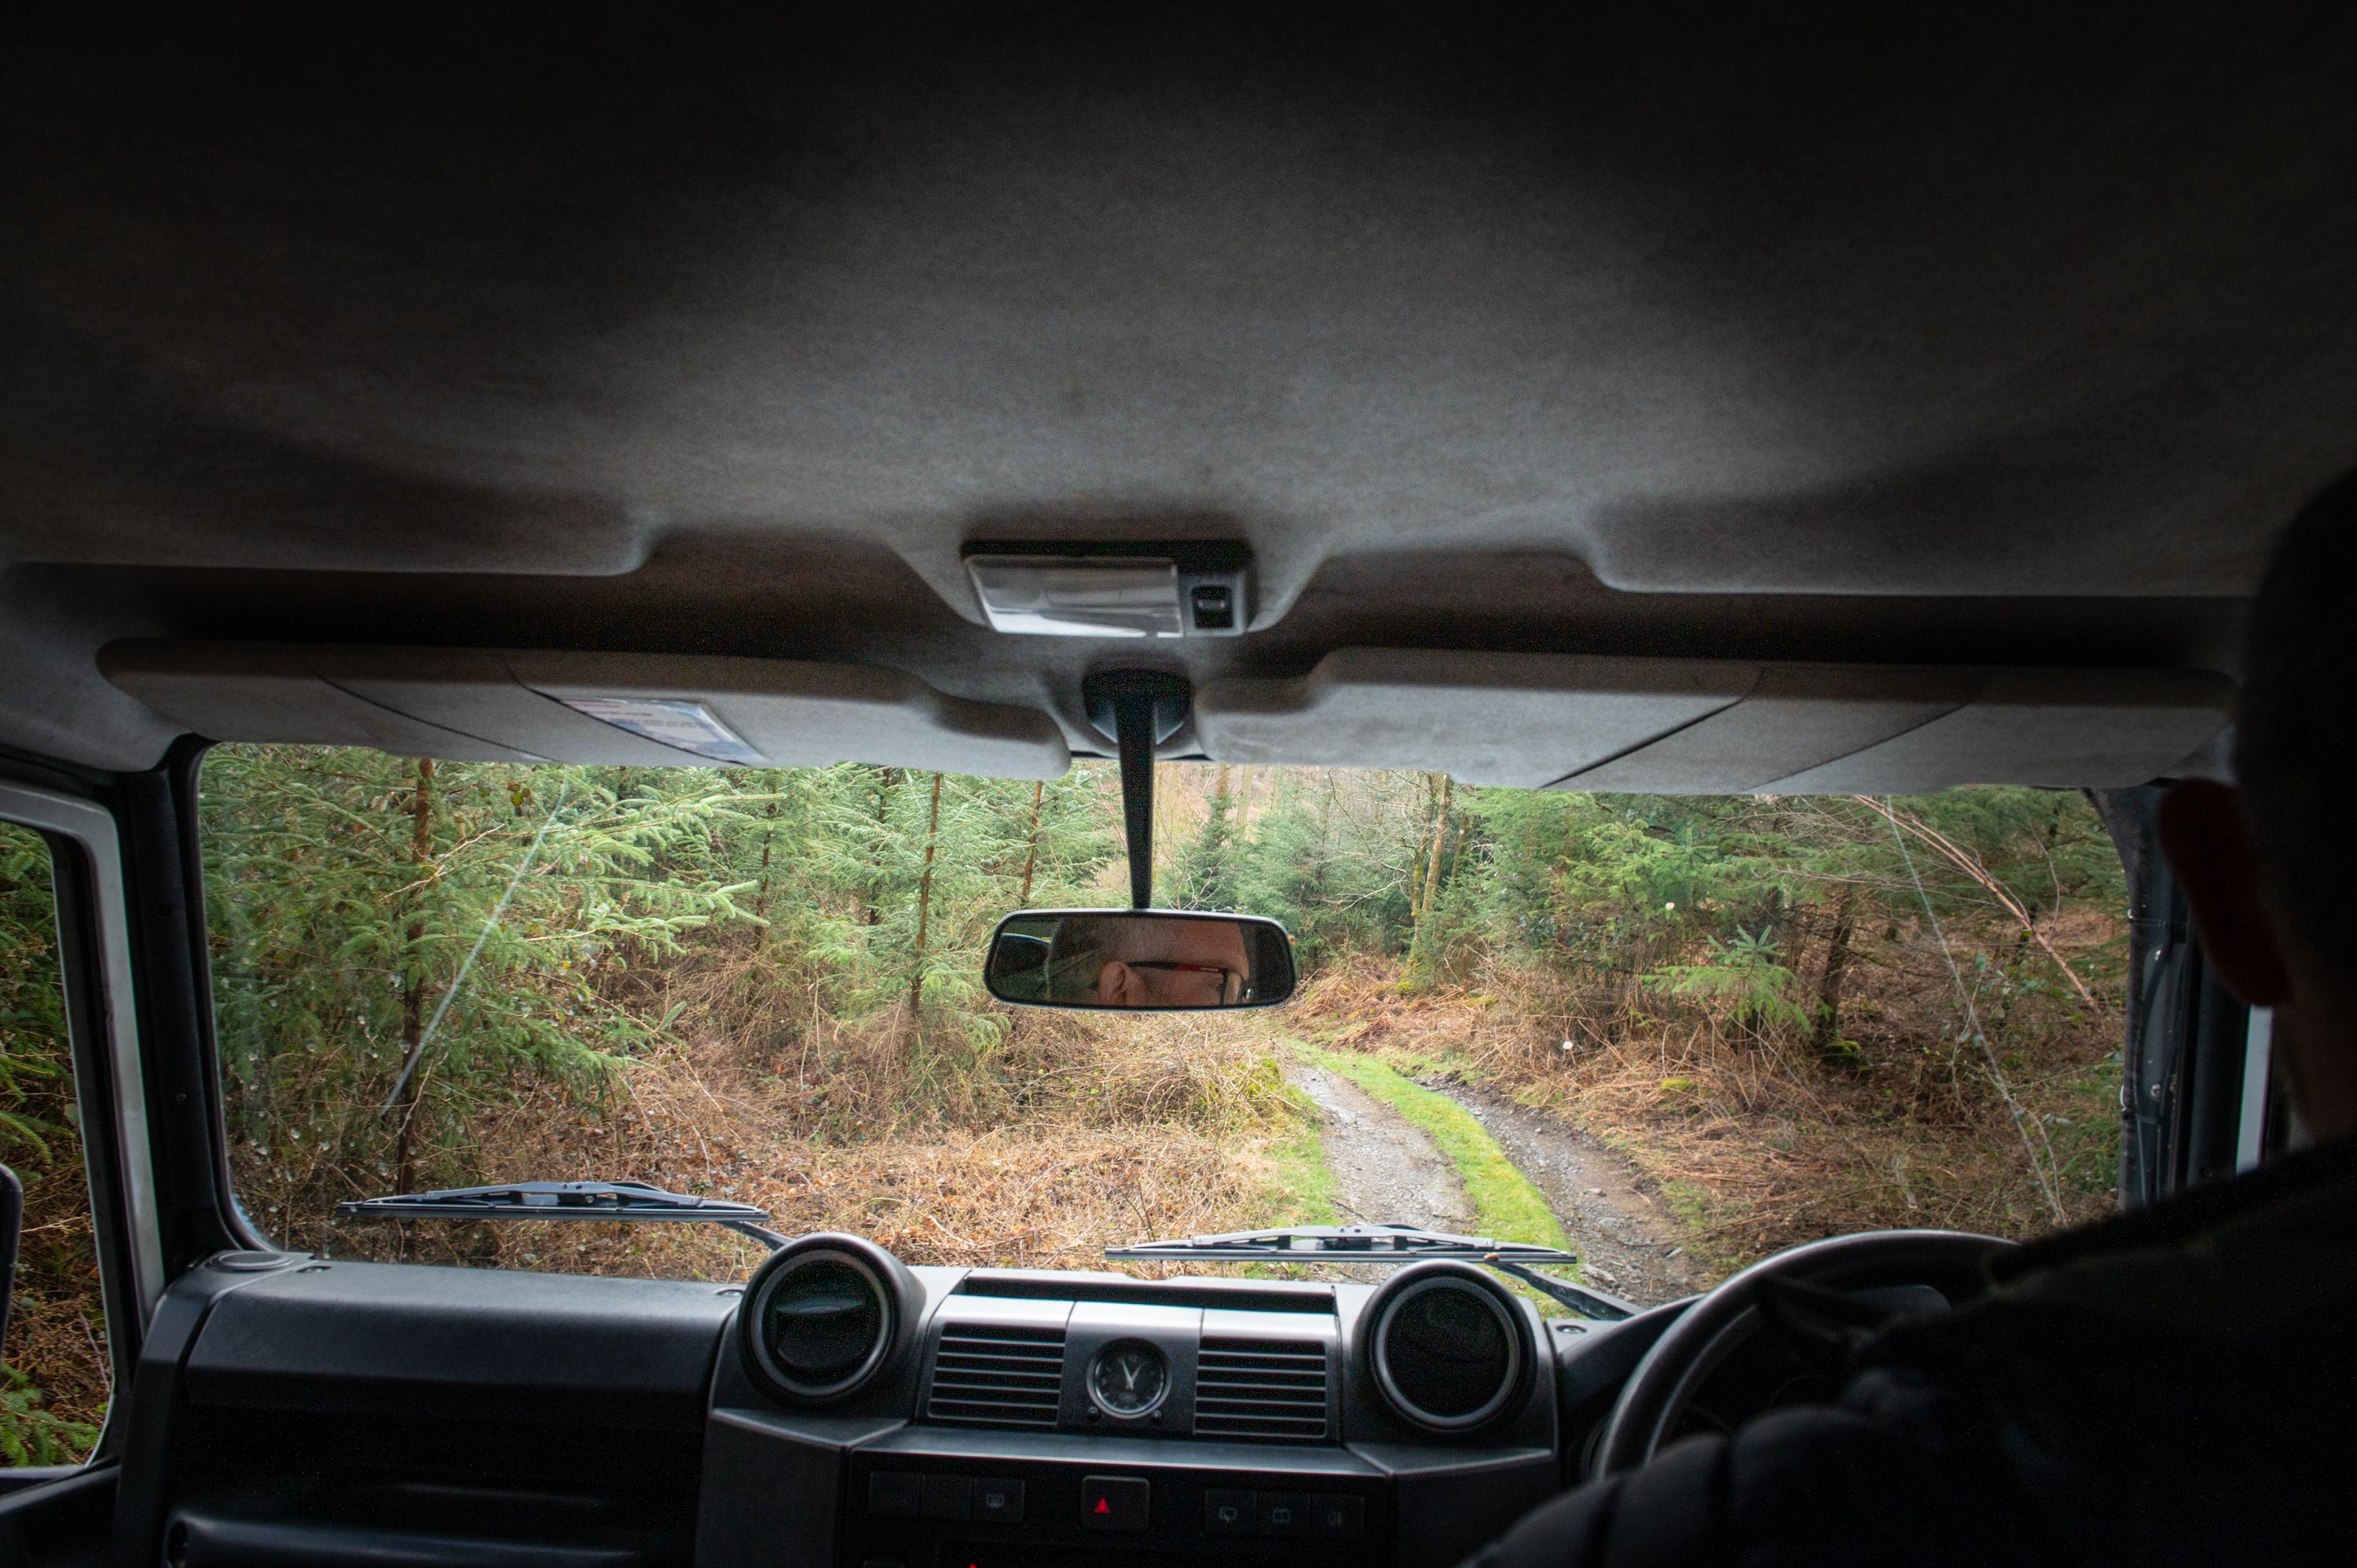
{"x":1115,"y":1502}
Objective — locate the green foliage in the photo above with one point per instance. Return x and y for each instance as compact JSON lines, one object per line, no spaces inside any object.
{"x":1743,"y":977}
{"x":32,"y":1006}
{"x":347,"y":890}
{"x":1330,"y":856}
{"x":57,"y":1380}
{"x":30,"y":1432}
{"x":1204,"y":878}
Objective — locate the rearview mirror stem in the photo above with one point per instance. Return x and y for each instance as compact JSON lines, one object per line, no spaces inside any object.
{"x":1134,"y":719}
{"x":1136,"y":709}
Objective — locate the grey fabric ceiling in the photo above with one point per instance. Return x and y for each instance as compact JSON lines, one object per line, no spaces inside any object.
{"x":1844,"y":334}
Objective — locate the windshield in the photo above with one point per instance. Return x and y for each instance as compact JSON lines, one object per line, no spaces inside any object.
{"x":1670,"y":1034}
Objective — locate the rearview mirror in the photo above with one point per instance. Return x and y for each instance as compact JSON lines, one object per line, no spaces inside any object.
{"x":1139,"y":961}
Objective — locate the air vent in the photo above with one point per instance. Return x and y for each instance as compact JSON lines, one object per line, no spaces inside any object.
{"x":985,"y":1375}
{"x":1265,"y":1389}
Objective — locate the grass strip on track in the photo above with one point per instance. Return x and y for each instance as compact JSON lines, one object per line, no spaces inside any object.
{"x":1302,"y":1183}
{"x":1506,"y":1206}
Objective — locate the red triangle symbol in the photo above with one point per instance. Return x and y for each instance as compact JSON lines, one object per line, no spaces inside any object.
{"x":1103,"y":1506}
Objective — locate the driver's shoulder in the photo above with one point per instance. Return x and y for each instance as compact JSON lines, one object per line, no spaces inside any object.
{"x":2260,"y":1253}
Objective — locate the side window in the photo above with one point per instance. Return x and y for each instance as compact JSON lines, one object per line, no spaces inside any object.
{"x":55,"y":1378}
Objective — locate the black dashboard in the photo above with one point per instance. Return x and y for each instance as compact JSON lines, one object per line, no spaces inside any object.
{"x":842,"y":1410}
{"x":1054,"y":1417}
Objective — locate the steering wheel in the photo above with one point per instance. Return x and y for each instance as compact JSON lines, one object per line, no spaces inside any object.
{"x":1657,"y":1393}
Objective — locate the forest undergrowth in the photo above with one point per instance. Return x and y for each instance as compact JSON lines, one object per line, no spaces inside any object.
{"x":1063,"y":1136}
{"x":1759,"y":1141}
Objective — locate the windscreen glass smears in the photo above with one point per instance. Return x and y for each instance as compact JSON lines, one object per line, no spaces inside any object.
{"x":1672,"y":1033}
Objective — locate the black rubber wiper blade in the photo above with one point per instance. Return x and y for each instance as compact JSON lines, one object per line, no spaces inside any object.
{"x":626,"y":1201}
{"x":1339,"y":1244}
{"x":1386,"y":1245}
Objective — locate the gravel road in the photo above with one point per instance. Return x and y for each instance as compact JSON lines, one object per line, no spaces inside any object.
{"x":1626,"y":1239}
{"x":1386,"y":1170}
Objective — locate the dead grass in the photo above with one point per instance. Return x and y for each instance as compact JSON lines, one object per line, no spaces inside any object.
{"x":1754,"y":1140}
{"x":1065,"y":1135}
{"x":1036,"y":1141}
{"x":57,"y":1328}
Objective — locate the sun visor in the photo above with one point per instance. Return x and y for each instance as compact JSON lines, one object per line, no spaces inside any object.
{"x":1523,"y":719}
{"x":2093,"y":729}
{"x":1697,"y":726}
{"x":638,"y":710}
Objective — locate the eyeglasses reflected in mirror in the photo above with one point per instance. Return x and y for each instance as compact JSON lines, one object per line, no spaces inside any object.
{"x":1139,"y":961}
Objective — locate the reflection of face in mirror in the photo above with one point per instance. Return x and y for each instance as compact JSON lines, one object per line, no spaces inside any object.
{"x":1139,"y":961}
{"x":1164,"y":963}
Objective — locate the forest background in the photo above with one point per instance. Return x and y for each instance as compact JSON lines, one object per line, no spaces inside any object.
{"x":1792,"y":1015}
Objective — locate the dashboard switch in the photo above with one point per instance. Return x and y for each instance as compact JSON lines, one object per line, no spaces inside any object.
{"x":892,"y":1494}
{"x":948,"y":1497}
{"x":1227,"y":1513}
{"x":1330,"y":1514}
{"x":1283,"y":1514}
{"x":1115,"y":1502}
{"x":998,"y":1501}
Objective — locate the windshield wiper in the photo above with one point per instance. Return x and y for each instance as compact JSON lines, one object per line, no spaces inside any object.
{"x":613,"y":1200}
{"x":1383,"y":1245}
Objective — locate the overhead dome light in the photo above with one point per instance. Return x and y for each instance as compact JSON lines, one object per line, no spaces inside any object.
{"x":1033,"y":594}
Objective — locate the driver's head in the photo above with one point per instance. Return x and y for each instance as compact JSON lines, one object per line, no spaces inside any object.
{"x":1164,"y":963}
{"x":2270,"y":866}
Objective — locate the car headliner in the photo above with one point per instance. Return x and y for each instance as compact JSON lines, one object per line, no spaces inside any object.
{"x":1874,"y":336}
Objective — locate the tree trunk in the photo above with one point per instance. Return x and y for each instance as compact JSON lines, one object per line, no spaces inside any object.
{"x":1419,"y":944}
{"x":1417,"y":878}
{"x":925,"y":903}
{"x":412,"y":974}
{"x":875,"y":912}
{"x":1827,"y":1028}
{"x":762,"y":900}
{"x":1031,"y":855}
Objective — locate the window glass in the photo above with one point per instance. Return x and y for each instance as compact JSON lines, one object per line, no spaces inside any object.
{"x":1673,"y":1033}
{"x":58,"y":1377}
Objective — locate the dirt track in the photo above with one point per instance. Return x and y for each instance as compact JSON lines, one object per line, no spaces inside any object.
{"x":1626,"y":1240}
{"x":1387,"y":1170}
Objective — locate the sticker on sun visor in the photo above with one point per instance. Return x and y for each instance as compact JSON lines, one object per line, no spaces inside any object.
{"x":682,"y":726}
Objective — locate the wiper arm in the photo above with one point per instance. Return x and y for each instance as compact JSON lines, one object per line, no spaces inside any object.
{"x":1339,"y":1244}
{"x":611,"y":1200}
{"x":1383,"y":1245}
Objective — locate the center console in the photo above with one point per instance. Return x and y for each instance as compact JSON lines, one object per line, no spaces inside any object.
{"x":868,"y":1415}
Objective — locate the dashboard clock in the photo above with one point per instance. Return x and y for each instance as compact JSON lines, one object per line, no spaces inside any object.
{"x":1128,"y":1378}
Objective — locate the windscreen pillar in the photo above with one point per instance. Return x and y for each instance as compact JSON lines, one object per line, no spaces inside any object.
{"x":2183,"y":1083}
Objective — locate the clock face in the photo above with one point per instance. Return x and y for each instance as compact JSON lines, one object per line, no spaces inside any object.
{"x":1128,"y":1377}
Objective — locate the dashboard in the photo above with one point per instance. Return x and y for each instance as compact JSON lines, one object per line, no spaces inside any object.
{"x":977,"y":1417}
{"x":840,"y":1410}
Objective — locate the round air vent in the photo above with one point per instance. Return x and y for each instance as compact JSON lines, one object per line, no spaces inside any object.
{"x":823,"y":1317}
{"x":1449,"y":1348}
